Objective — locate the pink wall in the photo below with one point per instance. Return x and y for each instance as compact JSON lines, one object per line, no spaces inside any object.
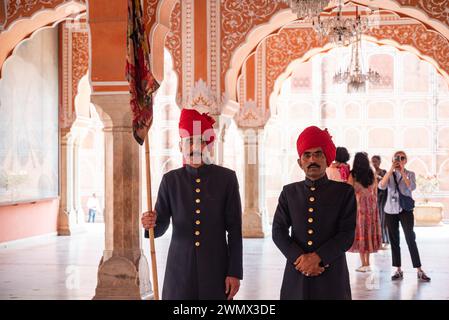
{"x":28,"y":220}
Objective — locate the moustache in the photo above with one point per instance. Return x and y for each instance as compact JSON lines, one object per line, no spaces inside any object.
{"x":195,"y":154}
{"x":313,"y":165}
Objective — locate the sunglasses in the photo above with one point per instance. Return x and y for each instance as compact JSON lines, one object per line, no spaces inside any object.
{"x":401,"y":158}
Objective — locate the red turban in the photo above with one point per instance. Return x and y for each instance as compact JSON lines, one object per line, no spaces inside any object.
{"x":314,"y":137}
{"x":194,"y":123}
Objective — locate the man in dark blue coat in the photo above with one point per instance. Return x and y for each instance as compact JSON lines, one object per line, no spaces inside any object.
{"x":322,"y":216}
{"x":203,"y":202}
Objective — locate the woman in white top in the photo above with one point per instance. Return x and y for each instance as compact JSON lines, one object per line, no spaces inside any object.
{"x":399,"y":180}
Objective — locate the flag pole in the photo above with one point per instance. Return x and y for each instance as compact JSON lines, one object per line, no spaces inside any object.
{"x":151,"y":231}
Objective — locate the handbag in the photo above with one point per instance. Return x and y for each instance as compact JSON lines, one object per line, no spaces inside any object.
{"x":407,"y":203}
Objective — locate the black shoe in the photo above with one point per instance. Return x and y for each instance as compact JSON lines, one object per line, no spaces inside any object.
{"x":423,"y":277}
{"x":398,"y":275}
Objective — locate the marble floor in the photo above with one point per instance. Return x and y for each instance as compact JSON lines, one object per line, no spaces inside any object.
{"x":66,"y":268}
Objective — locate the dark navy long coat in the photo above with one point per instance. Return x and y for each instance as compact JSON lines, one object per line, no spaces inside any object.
{"x":322,"y":218}
{"x":206,"y":245}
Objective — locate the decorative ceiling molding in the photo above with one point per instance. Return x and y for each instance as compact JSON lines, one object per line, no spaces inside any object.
{"x":250,"y":116}
{"x":203,"y":99}
{"x":281,"y":50}
{"x":239,"y":18}
{"x":22,"y":9}
{"x":74,"y":65}
{"x":291,"y":44}
{"x":424,"y":11}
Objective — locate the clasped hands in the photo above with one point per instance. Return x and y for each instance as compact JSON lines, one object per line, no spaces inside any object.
{"x":309,"y":264}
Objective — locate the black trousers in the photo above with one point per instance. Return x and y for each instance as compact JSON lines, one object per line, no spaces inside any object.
{"x":381,"y":199}
{"x":407,"y":222}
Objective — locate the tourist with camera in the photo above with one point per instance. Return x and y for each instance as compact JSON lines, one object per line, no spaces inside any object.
{"x":399,"y":206}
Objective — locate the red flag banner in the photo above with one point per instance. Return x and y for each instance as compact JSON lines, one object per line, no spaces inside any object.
{"x":142,"y":84}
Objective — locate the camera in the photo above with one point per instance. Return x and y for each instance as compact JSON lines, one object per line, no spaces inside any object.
{"x":397,"y":158}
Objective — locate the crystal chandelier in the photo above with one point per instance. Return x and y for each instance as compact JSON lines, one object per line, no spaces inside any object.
{"x":306,"y":9}
{"x":354,"y":77}
{"x":340,"y":30}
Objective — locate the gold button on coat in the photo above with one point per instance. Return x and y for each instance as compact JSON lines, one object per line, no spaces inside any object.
{"x":197,"y":244}
{"x":311,"y":199}
{"x":197,"y":190}
{"x":313,"y":188}
{"x":310,"y":231}
{"x":197,"y":233}
{"x":310,"y":220}
{"x":197,"y":200}
{"x":198,"y":180}
{"x":309,"y":243}
{"x":198,"y":211}
{"x":198,"y":222}
{"x":310,"y":209}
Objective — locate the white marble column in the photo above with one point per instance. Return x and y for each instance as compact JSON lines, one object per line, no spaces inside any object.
{"x":123,"y":271}
{"x":254,"y":224}
{"x":65,"y":182}
{"x":81,"y":130}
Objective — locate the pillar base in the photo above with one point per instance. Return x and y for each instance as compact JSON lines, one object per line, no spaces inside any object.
{"x":64,"y":232}
{"x":63,"y":224}
{"x":68,"y":223}
{"x":253,"y":226}
{"x":121,"y":279}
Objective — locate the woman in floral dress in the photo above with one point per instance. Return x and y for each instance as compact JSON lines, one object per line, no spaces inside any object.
{"x":368,"y":236}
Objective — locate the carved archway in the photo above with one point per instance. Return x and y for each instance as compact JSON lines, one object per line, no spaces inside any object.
{"x":427,"y":44}
{"x":276,"y":56}
{"x":23,"y":19}
{"x":158,"y":22}
{"x":431,"y":13}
